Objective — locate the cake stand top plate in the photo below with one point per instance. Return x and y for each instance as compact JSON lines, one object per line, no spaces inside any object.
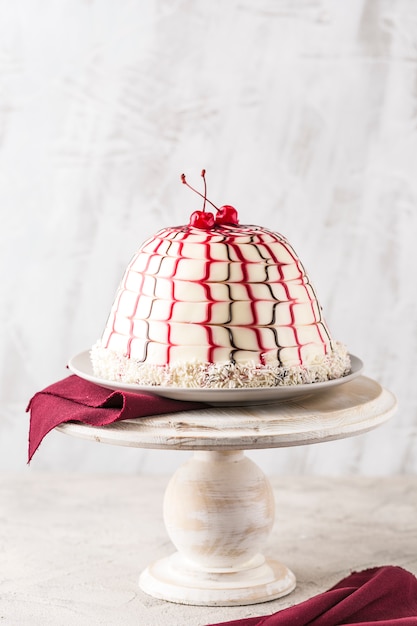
{"x":350,"y":409}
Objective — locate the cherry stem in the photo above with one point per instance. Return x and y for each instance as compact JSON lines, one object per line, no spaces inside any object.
{"x":203,"y":174}
{"x":184,"y":181}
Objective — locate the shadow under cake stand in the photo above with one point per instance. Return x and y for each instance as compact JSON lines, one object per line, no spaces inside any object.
{"x":219,"y":505}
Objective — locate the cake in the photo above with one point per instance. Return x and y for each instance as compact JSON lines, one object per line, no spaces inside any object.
{"x":216,"y":304}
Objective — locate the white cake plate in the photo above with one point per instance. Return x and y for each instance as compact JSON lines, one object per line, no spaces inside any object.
{"x":82,"y":367}
{"x":218,"y":506}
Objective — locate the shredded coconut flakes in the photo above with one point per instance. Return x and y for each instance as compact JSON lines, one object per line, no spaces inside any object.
{"x":112,"y":366}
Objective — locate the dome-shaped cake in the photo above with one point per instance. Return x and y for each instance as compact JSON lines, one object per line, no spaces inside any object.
{"x":214,"y":304}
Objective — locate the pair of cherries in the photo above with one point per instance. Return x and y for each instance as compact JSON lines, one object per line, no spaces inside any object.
{"x":203,"y":219}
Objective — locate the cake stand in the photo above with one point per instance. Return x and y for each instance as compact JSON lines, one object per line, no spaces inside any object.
{"x":219,"y":506}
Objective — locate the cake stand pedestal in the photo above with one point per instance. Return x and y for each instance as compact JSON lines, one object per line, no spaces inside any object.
{"x":218,"y":506}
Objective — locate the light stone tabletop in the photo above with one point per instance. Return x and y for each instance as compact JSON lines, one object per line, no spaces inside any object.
{"x":72,"y":545}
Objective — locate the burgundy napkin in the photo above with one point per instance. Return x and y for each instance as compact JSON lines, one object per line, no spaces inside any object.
{"x":382,"y":596}
{"x":76,"y":399}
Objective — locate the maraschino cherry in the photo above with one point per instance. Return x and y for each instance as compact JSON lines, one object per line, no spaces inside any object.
{"x":202,"y":219}
{"x":227,"y":215}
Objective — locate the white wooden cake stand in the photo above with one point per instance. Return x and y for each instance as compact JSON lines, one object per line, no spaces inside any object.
{"x":218,"y":506}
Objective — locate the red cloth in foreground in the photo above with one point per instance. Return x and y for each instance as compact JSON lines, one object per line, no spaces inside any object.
{"x":76,"y":399}
{"x":382,"y":596}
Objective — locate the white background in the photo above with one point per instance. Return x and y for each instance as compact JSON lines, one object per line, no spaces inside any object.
{"x":304,"y":114}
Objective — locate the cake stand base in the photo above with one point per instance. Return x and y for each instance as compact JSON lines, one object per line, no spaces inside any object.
{"x":218,"y":511}
{"x":175,"y":580}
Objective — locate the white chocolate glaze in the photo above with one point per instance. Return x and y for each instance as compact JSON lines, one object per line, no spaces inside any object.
{"x":227,"y":306}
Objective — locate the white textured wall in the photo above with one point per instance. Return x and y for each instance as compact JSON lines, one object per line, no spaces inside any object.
{"x":304,"y":114}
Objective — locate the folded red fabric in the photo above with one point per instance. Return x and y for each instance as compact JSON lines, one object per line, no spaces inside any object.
{"x":382,"y":596}
{"x":76,"y":399}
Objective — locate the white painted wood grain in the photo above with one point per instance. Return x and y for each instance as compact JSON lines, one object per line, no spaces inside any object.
{"x":352,"y":409}
{"x":303,"y":114}
{"x":219,"y":511}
